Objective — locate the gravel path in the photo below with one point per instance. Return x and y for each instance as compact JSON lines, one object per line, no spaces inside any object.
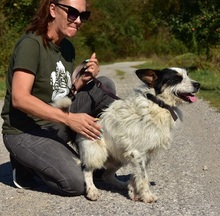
{"x":187,"y":176}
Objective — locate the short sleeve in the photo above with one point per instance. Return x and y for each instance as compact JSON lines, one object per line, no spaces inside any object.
{"x":26,"y":55}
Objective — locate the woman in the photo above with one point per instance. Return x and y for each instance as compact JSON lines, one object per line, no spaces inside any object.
{"x":34,"y":132}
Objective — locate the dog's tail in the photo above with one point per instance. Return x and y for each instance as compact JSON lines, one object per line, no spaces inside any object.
{"x":62,"y":103}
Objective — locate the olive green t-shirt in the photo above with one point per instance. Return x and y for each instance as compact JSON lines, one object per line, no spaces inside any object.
{"x":52,"y":67}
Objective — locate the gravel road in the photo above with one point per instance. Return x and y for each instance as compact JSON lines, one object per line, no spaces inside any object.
{"x":187,"y":176}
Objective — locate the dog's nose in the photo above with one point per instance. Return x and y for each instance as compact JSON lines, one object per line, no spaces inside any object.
{"x":196,"y":85}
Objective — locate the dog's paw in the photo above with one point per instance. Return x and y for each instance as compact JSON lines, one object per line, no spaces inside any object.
{"x":133,"y":196}
{"x":146,"y":197}
{"x":93,"y":194}
{"x":149,"y":198}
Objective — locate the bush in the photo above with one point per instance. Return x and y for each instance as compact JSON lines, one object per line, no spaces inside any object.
{"x":187,"y":60}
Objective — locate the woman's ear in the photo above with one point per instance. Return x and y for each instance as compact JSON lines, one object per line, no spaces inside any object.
{"x":52,"y":10}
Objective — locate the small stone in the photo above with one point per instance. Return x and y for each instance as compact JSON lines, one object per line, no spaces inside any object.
{"x":205,"y":168}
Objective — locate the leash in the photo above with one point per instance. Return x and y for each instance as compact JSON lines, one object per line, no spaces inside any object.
{"x":161,"y":104}
{"x":80,"y":70}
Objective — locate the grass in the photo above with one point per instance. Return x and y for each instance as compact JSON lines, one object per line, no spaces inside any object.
{"x":2,"y":88}
{"x":209,"y":79}
{"x":120,"y":74}
{"x":210,"y":86}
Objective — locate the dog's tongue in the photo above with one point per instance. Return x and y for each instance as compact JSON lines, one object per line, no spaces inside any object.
{"x":192,"y":98}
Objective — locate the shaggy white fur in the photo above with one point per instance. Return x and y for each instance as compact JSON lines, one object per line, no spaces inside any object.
{"x":134,"y":130}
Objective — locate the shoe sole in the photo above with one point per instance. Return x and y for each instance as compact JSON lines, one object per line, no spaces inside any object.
{"x":14,"y":180}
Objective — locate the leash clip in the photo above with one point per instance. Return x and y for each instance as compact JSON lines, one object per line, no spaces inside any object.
{"x":161,"y":103}
{"x":98,"y":83}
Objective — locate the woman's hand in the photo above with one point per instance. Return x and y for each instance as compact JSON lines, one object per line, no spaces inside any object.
{"x":85,"y":125}
{"x":92,"y":67}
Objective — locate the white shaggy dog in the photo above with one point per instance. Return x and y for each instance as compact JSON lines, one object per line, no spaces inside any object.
{"x":135,"y":128}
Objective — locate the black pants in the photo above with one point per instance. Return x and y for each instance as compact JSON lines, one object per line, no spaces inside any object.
{"x":45,"y":151}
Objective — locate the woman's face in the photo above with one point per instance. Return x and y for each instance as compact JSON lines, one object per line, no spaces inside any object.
{"x":62,"y":26}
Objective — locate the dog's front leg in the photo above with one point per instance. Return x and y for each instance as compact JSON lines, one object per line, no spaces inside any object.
{"x":139,"y":187}
{"x":92,"y":192}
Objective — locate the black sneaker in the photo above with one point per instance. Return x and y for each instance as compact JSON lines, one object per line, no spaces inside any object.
{"x":97,"y":174}
{"x":23,"y":178}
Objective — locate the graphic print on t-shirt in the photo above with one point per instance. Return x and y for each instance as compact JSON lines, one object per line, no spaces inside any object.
{"x":60,"y":81}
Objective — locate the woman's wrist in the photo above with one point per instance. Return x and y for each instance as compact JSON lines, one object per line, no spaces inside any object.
{"x":73,"y":89}
{"x":78,"y":84}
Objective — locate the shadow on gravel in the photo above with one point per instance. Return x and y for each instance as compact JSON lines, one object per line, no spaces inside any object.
{"x":6,"y":179}
{"x":124,"y":192}
{"x":107,"y":187}
{"x":6,"y":174}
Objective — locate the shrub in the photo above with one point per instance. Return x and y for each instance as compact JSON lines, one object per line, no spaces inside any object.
{"x":187,"y":60}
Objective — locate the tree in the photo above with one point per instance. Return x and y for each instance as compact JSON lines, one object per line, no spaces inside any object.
{"x":116,"y":28}
{"x":14,"y":17}
{"x":197,"y":24}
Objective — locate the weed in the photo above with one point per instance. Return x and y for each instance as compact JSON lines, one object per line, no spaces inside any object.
{"x":121,"y":74}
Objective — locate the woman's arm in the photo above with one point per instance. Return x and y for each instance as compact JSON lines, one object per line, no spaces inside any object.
{"x":22,"y":99}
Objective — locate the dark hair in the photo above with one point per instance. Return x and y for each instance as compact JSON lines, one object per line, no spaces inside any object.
{"x":39,"y":24}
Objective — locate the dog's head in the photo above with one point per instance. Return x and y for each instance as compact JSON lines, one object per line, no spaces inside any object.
{"x":174,"y":81}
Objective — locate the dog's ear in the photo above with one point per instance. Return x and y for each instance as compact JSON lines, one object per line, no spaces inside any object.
{"x":147,"y":76}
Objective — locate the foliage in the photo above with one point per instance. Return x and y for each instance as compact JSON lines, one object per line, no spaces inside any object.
{"x":187,"y":60}
{"x":126,"y":28}
{"x":197,"y":24}
{"x":108,"y":36}
{"x":14,"y":17}
{"x":18,"y":12}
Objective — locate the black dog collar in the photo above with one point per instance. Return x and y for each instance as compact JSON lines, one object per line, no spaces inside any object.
{"x":161,"y":104}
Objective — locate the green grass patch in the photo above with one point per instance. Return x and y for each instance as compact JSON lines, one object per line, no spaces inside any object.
{"x":151,"y":63}
{"x":210,"y":86}
{"x":120,"y":74}
{"x":2,"y":88}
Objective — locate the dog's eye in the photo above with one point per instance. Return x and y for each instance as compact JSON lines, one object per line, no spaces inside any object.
{"x":178,"y":75}
{"x":178,"y":78}
{"x":175,"y":79}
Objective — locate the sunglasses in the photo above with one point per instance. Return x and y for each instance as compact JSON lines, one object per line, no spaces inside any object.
{"x":73,"y":13}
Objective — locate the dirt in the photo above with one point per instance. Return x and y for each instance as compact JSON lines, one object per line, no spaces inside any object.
{"x":186,"y":176}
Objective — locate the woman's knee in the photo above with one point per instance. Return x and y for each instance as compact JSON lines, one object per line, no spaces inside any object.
{"x":107,"y":83}
{"x":64,"y":182}
{"x":74,"y":187}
